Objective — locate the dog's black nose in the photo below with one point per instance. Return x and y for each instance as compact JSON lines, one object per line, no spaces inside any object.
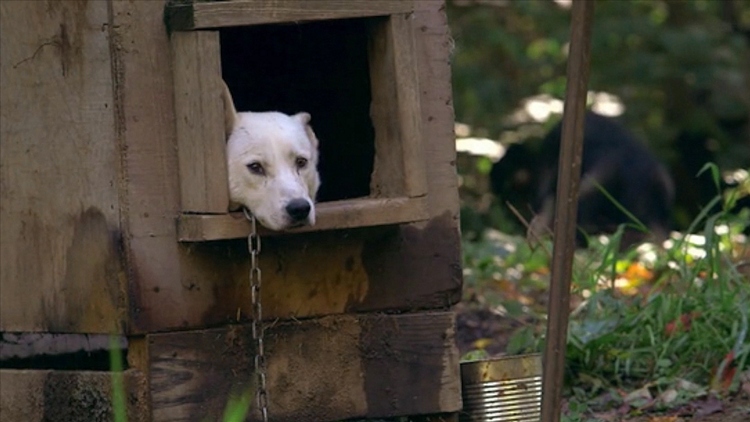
{"x":298,"y":209}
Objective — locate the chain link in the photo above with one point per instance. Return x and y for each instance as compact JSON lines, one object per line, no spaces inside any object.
{"x":253,"y":243}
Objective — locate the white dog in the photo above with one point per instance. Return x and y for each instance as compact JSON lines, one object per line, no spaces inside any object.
{"x":272,"y":161}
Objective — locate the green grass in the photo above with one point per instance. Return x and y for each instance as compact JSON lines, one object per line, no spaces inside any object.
{"x":650,"y":317}
{"x":118,"y":387}
{"x":238,"y":406}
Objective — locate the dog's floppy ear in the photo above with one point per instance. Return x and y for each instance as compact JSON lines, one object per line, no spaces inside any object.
{"x":304,"y":118}
{"x":230,"y":113}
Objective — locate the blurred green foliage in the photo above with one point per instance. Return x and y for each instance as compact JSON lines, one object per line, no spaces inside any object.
{"x":677,"y":65}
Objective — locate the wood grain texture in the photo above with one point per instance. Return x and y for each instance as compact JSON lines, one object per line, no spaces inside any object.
{"x":395,"y":111}
{"x":327,"y":369}
{"x":70,"y":396}
{"x":184,"y":16}
{"x":150,"y":192}
{"x":59,"y":171}
{"x":434,"y":48}
{"x":330,"y":215}
{"x":199,"y":120}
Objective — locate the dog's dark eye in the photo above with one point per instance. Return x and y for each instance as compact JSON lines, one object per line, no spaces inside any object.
{"x":256,"y":168}
{"x":301,"y":162}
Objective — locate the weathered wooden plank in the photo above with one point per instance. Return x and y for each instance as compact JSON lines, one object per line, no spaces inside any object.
{"x":150,"y":195}
{"x":202,"y":15}
{"x":328,"y":369}
{"x":199,"y":120}
{"x":433,"y":51}
{"x":59,"y":166}
{"x":70,"y":396}
{"x":330,"y":215}
{"x":395,"y":111}
{"x":322,"y":273}
{"x":27,"y":345}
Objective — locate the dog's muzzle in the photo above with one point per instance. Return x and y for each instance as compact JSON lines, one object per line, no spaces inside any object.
{"x":298,"y":210}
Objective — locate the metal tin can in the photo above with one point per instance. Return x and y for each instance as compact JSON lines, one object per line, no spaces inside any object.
{"x":506,"y":389}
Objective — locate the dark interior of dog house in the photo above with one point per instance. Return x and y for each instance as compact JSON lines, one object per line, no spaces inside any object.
{"x":320,"y":68}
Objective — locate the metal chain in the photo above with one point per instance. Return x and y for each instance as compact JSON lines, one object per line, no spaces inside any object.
{"x":253,"y":243}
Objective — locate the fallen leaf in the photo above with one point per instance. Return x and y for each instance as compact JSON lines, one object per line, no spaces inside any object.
{"x":630,"y":281}
{"x":708,"y":407}
{"x":628,"y":287}
{"x":723,"y":375}
{"x":639,"y":398}
{"x":608,"y":416}
{"x":506,"y":286}
{"x":665,"y":419}
{"x":681,"y":389}
{"x":689,"y":390}
{"x":482,"y":343}
{"x":683,"y":323}
{"x":606,"y":400}
{"x":637,"y":271}
{"x":668,"y":396}
{"x":745,"y":382}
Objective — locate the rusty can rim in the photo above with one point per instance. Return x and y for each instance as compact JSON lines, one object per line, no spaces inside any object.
{"x":501,"y":368}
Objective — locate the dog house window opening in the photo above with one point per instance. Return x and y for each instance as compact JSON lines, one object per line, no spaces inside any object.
{"x":321,"y":68}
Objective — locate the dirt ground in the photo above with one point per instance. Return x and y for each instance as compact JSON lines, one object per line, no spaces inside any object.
{"x":475,"y":324}
{"x":735,"y":409}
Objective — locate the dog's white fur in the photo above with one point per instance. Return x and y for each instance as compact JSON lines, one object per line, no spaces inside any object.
{"x":279,"y":144}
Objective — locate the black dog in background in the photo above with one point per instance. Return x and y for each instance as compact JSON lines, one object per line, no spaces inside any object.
{"x":614,"y":160}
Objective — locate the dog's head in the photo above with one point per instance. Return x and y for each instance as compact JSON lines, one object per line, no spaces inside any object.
{"x":272,"y":163}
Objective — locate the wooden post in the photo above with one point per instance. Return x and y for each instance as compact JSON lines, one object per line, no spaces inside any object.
{"x":566,"y":208}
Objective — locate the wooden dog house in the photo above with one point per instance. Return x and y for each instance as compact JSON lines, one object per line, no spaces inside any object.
{"x":114,"y":207}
